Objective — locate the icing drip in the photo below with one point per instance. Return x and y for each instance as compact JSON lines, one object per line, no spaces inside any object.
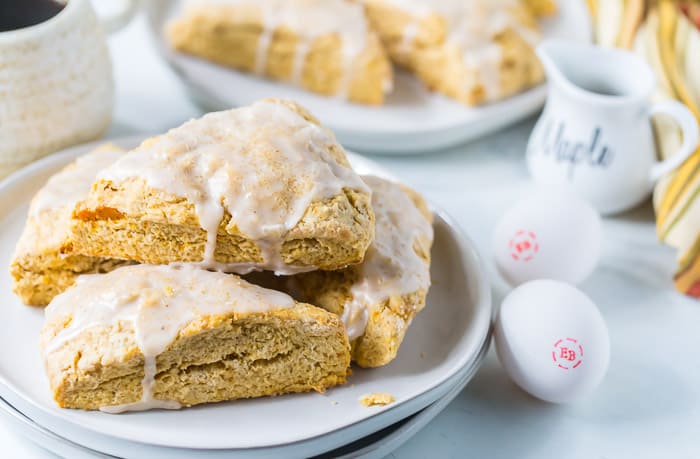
{"x":263,"y":46}
{"x":408,"y":37}
{"x":391,"y":265}
{"x":72,"y":184}
{"x":302,"y":49}
{"x":157,"y":301}
{"x":472,"y":28}
{"x":309,"y":19}
{"x":263,"y":165}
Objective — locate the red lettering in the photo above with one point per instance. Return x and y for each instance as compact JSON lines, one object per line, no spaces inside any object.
{"x":567,"y":354}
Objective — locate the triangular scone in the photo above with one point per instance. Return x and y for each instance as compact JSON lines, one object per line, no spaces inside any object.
{"x":44,"y":263}
{"x":473,"y":51}
{"x":260,"y":187}
{"x":146,"y":336}
{"x":324,"y":46}
{"x":379,"y":298}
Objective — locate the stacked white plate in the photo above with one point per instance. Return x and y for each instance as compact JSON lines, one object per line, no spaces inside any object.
{"x":440,"y":353}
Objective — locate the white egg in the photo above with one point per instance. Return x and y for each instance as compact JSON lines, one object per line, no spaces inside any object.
{"x":552,"y":340}
{"x":549,"y":234}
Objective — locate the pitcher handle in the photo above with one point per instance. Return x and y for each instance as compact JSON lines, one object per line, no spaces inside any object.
{"x":114,"y":22}
{"x":689,"y":127}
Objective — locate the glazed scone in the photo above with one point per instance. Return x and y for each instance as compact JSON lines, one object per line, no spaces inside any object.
{"x":144,"y":337}
{"x":378,"y":299}
{"x":324,"y":46}
{"x":474,"y":51}
{"x":44,"y":263}
{"x":542,"y":8}
{"x":260,"y":187}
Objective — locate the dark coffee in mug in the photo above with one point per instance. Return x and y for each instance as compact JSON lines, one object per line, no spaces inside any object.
{"x":17,"y":14}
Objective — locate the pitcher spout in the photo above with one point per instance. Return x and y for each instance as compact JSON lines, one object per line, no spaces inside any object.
{"x":612,"y":75}
{"x":551,"y":54}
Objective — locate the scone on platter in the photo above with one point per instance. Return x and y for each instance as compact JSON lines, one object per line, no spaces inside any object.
{"x":145,"y":337}
{"x":260,"y":187}
{"x":44,"y":263}
{"x":324,"y":46}
{"x":378,"y":299}
{"x":474,"y":51}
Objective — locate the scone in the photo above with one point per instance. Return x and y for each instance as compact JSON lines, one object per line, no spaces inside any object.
{"x":260,"y":187}
{"x":474,"y":51}
{"x":542,"y":8}
{"x":44,"y":263}
{"x":145,"y":337}
{"x":378,"y":299}
{"x":324,"y":46}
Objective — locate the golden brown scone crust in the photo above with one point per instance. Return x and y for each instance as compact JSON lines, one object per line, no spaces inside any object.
{"x":213,"y":358}
{"x":388,"y":320}
{"x":131,"y":220}
{"x":213,"y":32}
{"x":542,"y":8}
{"x":44,"y":263}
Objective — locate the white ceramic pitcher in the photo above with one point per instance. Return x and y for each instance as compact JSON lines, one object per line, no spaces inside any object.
{"x":595,"y":132}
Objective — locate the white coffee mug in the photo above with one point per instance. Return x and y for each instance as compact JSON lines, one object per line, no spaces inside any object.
{"x":56,"y":86}
{"x":595,"y":132}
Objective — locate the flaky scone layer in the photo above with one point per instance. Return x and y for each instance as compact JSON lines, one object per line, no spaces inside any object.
{"x":130,"y":218}
{"x":44,"y":263}
{"x":379,"y":290}
{"x":214,"y":359}
{"x":144,"y":337}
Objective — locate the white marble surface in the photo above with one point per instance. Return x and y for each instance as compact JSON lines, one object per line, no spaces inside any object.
{"x":649,"y":403}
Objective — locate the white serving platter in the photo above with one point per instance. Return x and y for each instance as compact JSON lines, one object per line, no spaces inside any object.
{"x":445,"y":338}
{"x":413,"y":120}
{"x":375,"y":446}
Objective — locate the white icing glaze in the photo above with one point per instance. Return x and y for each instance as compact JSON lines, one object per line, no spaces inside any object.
{"x":472,"y":26}
{"x":263,"y":46}
{"x":158,"y":301}
{"x":391,"y":265}
{"x":408,"y":37}
{"x":72,"y":184}
{"x":300,"y":53}
{"x":263,"y":164}
{"x":309,"y":19}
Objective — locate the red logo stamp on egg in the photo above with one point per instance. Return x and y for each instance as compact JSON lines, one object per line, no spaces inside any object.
{"x":567,"y":353}
{"x":523,"y":246}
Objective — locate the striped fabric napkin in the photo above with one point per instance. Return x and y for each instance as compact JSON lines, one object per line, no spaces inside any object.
{"x":667,"y":34}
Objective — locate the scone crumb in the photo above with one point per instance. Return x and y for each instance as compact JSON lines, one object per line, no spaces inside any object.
{"x":422,"y":355}
{"x":334,"y":402}
{"x":377,"y":398}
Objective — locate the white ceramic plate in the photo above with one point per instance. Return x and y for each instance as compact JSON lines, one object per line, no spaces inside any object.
{"x":413,"y":120}
{"x":375,"y":446}
{"x":443,"y":340}
{"x":339,"y":443}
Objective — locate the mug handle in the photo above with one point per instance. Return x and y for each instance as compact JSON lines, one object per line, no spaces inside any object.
{"x":117,"y":21}
{"x":691,"y":134}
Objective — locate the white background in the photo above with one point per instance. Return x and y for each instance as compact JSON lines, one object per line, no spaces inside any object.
{"x":649,"y":403}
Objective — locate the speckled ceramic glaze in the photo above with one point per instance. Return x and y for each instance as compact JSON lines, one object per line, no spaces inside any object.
{"x":56,"y":85}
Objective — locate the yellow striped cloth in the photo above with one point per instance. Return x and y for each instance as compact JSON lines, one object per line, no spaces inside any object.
{"x":667,"y":34}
